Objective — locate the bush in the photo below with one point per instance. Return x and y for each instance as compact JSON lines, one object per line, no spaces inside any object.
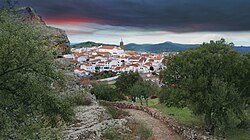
{"x":172,"y":97}
{"x":116,"y":113}
{"x":78,"y":98}
{"x":127,"y":80}
{"x":143,"y":132}
{"x":111,"y":134}
{"x":102,"y":75}
{"x":107,"y":93}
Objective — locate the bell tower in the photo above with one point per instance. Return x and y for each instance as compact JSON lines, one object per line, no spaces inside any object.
{"x":122,"y":45}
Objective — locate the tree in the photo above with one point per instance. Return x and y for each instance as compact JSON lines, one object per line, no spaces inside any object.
{"x":211,"y":77}
{"x":142,"y":89}
{"x":172,"y":97}
{"x":245,"y":85}
{"x":126,"y":81}
{"x":29,"y":107}
{"x":106,"y":92}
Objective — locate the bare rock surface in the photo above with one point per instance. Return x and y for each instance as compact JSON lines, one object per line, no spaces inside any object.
{"x":56,"y":38}
{"x":92,"y":122}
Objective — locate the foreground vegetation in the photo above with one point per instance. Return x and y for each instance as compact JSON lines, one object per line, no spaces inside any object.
{"x":31,"y":106}
{"x":102,"y":75}
{"x":137,"y":129}
{"x":206,"y":86}
{"x":185,"y":116}
{"x":210,"y":81}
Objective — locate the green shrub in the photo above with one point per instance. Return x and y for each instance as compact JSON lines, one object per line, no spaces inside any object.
{"x":116,"y":113}
{"x":102,"y":75}
{"x":77,"y":98}
{"x":143,"y":132}
{"x":106,"y":92}
{"x":172,"y":97}
{"x":111,"y":134}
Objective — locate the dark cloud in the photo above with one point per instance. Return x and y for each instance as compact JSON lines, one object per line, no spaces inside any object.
{"x":167,"y":15}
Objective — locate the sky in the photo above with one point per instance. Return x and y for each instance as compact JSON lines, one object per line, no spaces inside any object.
{"x":148,"y":21}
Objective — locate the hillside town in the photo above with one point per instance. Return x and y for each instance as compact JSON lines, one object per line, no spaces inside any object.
{"x":90,"y":60}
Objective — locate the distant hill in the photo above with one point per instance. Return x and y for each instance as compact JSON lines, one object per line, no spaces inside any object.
{"x":242,"y":49}
{"x":89,"y":44}
{"x":170,"y":47}
{"x":86,"y":44}
{"x":161,"y":47}
{"x":156,"y":48}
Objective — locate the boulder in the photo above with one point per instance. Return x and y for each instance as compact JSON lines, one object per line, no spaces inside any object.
{"x":92,"y":122}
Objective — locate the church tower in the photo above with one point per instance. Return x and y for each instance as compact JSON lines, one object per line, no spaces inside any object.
{"x":122,"y":45}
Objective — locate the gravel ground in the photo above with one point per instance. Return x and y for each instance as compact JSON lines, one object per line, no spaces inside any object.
{"x":160,"y":130}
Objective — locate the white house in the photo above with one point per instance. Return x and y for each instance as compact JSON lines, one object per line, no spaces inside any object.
{"x":81,"y":72}
{"x":87,"y":67}
{"x":82,"y":58}
{"x":68,"y":56}
{"x":111,"y":49}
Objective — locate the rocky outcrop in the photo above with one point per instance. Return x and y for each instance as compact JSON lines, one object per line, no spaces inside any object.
{"x":28,"y":15}
{"x":92,"y":122}
{"x":57,"y":38}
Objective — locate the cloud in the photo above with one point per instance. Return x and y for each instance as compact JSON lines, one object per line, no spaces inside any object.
{"x":148,"y":21}
{"x":112,"y":34}
{"x":167,"y":15}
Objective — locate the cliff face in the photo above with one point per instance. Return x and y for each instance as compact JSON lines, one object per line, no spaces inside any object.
{"x":57,"y":38}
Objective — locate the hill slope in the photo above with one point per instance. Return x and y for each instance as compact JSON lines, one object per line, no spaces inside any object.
{"x":156,"y":48}
{"x":242,"y":49}
{"x":88,"y":44}
{"x":161,"y":47}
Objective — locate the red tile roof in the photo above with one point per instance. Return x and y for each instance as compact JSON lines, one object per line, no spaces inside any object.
{"x":87,"y":65}
{"x":117,"y":68}
{"x":134,"y":58}
{"x":95,"y":60}
{"x":78,"y":54}
{"x":143,"y":59}
{"x":148,"y":64}
{"x":103,"y":53}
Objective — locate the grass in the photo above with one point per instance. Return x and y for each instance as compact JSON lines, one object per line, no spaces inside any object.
{"x":186,"y":117}
{"x":111,"y":134}
{"x":238,"y":134}
{"x":137,"y":129}
{"x":181,"y":115}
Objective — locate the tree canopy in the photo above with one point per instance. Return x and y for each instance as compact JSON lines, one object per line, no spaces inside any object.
{"x":106,"y":92}
{"x":29,"y":104}
{"x":126,"y":80}
{"x":143,"y":89}
{"x":212,"y":77}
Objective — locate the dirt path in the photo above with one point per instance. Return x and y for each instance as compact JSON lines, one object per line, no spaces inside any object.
{"x":160,"y":131}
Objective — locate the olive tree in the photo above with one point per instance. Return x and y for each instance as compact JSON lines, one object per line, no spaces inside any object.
{"x":211,"y":77}
{"x":143,"y":90}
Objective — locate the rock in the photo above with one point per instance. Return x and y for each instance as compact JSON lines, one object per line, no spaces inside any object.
{"x":57,"y":38}
{"x":28,"y":15}
{"x":92,"y":122}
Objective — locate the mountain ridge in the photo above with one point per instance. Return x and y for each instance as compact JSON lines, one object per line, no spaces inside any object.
{"x":167,"y":46}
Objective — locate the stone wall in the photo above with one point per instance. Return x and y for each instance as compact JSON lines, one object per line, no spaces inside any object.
{"x":186,"y":132}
